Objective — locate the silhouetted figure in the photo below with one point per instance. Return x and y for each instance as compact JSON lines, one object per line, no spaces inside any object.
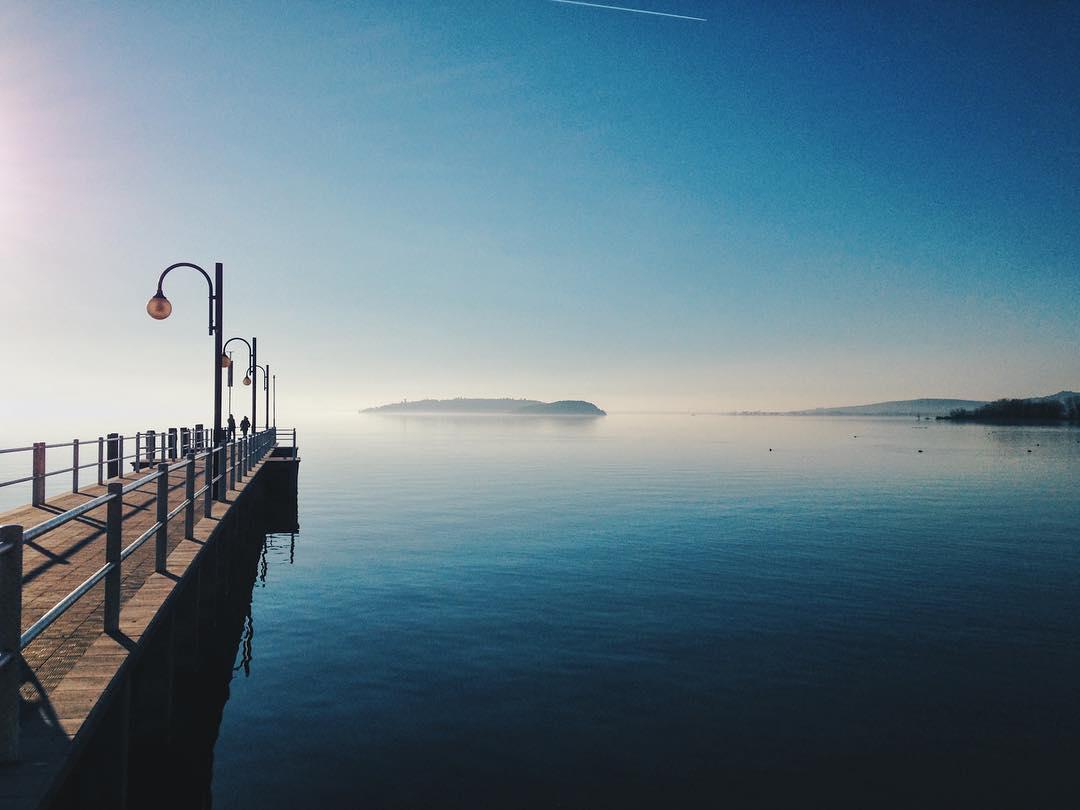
{"x":232,"y":427}
{"x":244,"y":425}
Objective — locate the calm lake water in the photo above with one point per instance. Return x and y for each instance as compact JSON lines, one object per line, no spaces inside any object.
{"x":658,"y":611}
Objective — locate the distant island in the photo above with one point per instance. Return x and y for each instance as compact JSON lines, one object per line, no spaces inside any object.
{"x":517,"y":407}
{"x":1060,"y":407}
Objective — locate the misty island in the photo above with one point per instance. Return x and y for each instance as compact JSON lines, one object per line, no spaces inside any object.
{"x":516,"y":407}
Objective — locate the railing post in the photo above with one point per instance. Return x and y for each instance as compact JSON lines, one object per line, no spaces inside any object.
{"x":162,"y":539}
{"x":100,"y":460}
{"x":208,"y":495}
{"x":11,"y":548}
{"x":223,"y":474}
{"x":232,"y":465}
{"x":172,"y":444}
{"x":189,"y":496}
{"x":120,"y":457}
{"x":114,"y":527}
{"x":199,"y":444}
{"x":38,"y":485}
{"x":185,"y":441}
{"x":74,"y":465}
{"x":151,"y":446}
{"x":138,"y":454}
{"x":112,"y":453}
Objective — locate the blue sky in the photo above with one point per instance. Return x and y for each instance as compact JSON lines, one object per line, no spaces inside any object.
{"x":788,"y":205}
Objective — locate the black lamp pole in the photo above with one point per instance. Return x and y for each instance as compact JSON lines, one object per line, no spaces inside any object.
{"x":266,"y":388}
{"x":159,"y":308}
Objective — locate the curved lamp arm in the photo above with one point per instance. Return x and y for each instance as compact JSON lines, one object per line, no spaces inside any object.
{"x":159,"y":307}
{"x":227,"y":342}
{"x":242,"y":340}
{"x":251,"y":372}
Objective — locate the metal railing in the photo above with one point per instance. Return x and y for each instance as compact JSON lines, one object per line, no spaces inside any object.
{"x":230,"y":462}
{"x":287,"y":437}
{"x":151,"y":446}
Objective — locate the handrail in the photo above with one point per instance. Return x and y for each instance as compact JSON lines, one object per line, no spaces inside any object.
{"x":140,"y":482}
{"x":65,"y":517}
{"x":142,"y":538}
{"x":17,"y":481}
{"x":57,"y":610}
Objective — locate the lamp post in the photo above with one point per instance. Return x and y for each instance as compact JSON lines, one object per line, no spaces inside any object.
{"x":159,"y":308}
{"x":266,"y":388}
{"x":252,"y":359}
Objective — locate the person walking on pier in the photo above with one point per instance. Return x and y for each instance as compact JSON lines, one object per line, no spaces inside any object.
{"x":232,"y":427}
{"x":244,"y":425}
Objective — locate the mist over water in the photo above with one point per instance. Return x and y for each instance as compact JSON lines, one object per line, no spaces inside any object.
{"x":643,"y":610}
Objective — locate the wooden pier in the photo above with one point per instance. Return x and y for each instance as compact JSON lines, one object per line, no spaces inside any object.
{"x":138,"y":547}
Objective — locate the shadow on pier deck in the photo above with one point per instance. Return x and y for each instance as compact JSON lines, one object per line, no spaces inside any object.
{"x":106,"y":714}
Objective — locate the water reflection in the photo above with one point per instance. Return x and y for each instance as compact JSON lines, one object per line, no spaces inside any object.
{"x":486,"y":423}
{"x":246,"y":647}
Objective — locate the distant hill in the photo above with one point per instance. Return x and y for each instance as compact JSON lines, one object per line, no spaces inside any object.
{"x":919,"y":407}
{"x":1060,"y":396}
{"x":521,"y":407}
{"x":903,"y":407}
{"x":1059,"y":407}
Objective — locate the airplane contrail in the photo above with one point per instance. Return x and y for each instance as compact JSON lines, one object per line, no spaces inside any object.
{"x":634,"y":10}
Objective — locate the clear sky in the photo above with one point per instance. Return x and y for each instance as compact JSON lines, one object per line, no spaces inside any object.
{"x":789,"y":205}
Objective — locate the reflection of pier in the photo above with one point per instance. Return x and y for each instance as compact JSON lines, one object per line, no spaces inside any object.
{"x":111,"y":600}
